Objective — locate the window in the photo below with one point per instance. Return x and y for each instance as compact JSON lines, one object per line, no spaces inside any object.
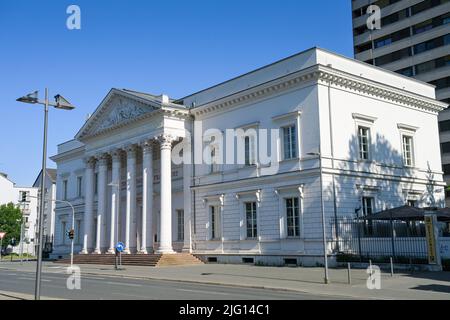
{"x":64,"y":190}
{"x":441,"y":83}
{"x":406,"y":71}
{"x":407,"y":145}
{"x":432,"y":44}
{"x":24,"y":196}
{"x":394,"y":56}
{"x":249,"y":151}
{"x":363,"y":139}
{"x":63,"y":232}
{"x":411,"y":203}
{"x":78,"y":232}
{"x":367,"y":210}
{"x":292,"y":217}
{"x":79,"y":184}
{"x":95,"y":183}
{"x":215,"y":222}
{"x":180,"y":224}
{"x":446,"y":169}
{"x":396,"y":36}
{"x":445,"y":147}
{"x":250,"y":216}
{"x":290,"y":142}
{"x":214,"y":167}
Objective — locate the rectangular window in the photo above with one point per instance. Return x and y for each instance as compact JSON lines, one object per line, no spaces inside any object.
{"x":292,"y":217}
{"x":79,"y":184}
{"x":214,"y":167}
{"x":24,"y":196}
{"x":363,"y":139}
{"x":407,"y":142}
{"x":180,"y":223}
{"x":251,"y":221}
{"x":64,"y":190}
{"x":78,"y":232}
{"x":95,"y":183}
{"x":290,"y":142}
{"x":249,"y":150}
{"x":63,"y":232}
{"x":367,"y":210}
{"x":215,"y":222}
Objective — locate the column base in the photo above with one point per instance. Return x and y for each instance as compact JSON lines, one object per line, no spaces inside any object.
{"x":83,"y":252}
{"x":111,"y":251}
{"x":126,"y":251}
{"x":142,"y":251}
{"x":165,"y":251}
{"x":97,"y":251}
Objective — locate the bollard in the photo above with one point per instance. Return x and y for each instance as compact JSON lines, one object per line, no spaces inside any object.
{"x":349,"y":277}
{"x":392,"y":267}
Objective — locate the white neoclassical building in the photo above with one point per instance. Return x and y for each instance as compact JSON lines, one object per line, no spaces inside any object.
{"x":255,"y":149}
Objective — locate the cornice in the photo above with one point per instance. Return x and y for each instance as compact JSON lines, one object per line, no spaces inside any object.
{"x":322,"y":75}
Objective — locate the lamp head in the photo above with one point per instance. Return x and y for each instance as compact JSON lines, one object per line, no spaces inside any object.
{"x":29,"y":98}
{"x":62,"y":103}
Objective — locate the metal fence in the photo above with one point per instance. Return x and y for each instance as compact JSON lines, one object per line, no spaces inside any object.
{"x":359,"y":240}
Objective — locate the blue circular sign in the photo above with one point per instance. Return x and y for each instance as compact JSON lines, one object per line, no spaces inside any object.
{"x":120,"y":246}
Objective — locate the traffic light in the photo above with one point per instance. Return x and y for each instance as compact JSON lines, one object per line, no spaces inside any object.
{"x":71,"y":234}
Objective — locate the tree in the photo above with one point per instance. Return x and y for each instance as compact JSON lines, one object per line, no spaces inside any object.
{"x":10,"y":221}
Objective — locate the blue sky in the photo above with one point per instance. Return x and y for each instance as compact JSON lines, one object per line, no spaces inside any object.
{"x":172,"y":47}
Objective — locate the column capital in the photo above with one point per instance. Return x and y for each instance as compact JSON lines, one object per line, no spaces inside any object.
{"x":131,"y":150}
{"x":90,"y":162}
{"x":165,"y":141}
{"x":116,"y":154}
{"x":103,"y":159}
{"x":147,"y":146}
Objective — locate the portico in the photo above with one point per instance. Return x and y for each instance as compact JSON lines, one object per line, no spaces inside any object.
{"x":120,"y":181}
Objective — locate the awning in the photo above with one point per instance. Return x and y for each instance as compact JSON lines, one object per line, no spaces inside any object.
{"x":409,"y":213}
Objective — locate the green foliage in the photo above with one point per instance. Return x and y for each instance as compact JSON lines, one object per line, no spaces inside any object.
{"x":10,"y":221}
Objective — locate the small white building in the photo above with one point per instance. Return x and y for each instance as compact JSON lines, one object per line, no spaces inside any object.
{"x":50,"y":197}
{"x":370,"y":135}
{"x":26,"y":199}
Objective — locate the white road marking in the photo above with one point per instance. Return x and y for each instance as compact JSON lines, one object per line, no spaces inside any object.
{"x":11,"y":274}
{"x":204,"y":292}
{"x":124,"y":284}
{"x":24,"y":278}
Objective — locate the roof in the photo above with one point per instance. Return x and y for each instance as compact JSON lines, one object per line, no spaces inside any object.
{"x":49,"y":172}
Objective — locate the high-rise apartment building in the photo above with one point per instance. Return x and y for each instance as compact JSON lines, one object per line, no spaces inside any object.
{"x":413,"y":39}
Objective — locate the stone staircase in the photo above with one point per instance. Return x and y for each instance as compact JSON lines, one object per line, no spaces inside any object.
{"x":151,"y":260}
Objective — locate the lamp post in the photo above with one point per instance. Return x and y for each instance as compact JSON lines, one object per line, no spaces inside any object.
{"x":324,"y":235}
{"x":60,"y":103}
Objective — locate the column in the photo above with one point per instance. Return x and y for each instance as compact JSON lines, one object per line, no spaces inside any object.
{"x":130,"y":223}
{"x":101,"y":199}
{"x":115,"y":198}
{"x":165,"y":237}
{"x":187,"y":176}
{"x":147,"y":197}
{"x":88,"y":206}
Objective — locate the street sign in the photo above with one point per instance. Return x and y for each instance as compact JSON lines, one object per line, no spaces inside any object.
{"x":2,"y":234}
{"x":120,"y":246}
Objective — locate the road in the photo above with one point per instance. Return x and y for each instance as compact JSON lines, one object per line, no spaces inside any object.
{"x":112,"y":288}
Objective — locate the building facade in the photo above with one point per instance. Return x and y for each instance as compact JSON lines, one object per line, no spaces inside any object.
{"x":50,"y":197}
{"x":26,"y":199}
{"x":237,"y":172}
{"x":413,"y":40}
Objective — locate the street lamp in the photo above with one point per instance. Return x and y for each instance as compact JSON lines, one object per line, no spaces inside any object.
{"x":60,"y":103}
{"x":324,"y":235}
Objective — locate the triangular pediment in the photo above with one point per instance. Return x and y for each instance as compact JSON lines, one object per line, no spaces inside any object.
{"x":118,"y":108}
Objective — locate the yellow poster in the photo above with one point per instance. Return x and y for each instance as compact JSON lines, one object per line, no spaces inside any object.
{"x":431,"y":241}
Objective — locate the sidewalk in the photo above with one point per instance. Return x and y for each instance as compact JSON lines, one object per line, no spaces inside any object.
{"x":418,"y":285}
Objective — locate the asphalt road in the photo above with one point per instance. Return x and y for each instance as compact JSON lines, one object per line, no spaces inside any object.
{"x":111,"y":288}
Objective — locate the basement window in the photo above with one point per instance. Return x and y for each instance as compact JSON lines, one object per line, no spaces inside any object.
{"x":290,"y":261}
{"x":248,"y":260}
{"x":212,"y":259}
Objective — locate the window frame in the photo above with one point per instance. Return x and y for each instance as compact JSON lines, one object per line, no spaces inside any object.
{"x":180,"y":224}
{"x":254,"y":220}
